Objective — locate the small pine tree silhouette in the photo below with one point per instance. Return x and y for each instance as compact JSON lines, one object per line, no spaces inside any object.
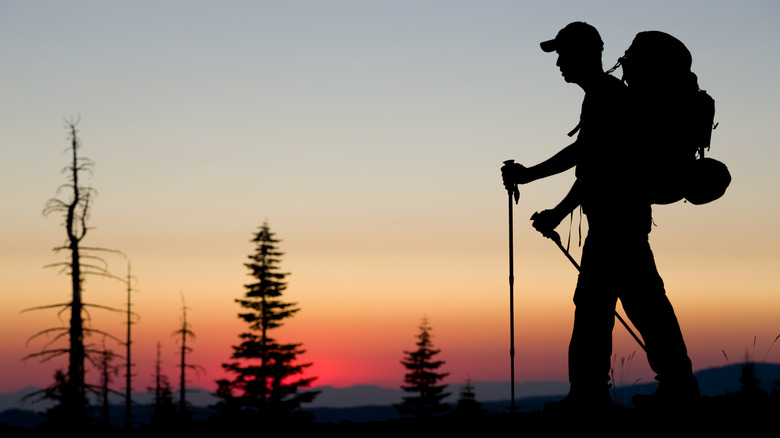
{"x":467,"y":400}
{"x":163,"y":414}
{"x":422,"y":378}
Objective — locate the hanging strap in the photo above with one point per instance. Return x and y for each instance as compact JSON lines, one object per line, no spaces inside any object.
{"x":579,"y":229}
{"x":575,"y":130}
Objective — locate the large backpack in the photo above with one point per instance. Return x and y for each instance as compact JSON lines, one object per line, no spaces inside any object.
{"x":675,"y":120}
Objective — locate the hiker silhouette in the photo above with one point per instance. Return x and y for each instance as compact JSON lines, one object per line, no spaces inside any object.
{"x":612,"y":190}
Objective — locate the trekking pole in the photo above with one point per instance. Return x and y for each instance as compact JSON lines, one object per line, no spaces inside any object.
{"x":513,"y":193}
{"x":557,"y":239}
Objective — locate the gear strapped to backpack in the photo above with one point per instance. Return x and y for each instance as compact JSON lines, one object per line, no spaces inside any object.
{"x":675,"y":120}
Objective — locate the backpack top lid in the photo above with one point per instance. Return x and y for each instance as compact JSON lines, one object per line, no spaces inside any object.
{"x":657,"y":59}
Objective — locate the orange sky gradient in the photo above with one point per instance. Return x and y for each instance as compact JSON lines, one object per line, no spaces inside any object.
{"x":370,"y":137}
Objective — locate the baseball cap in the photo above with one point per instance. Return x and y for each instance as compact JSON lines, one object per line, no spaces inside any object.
{"x":576,"y":35}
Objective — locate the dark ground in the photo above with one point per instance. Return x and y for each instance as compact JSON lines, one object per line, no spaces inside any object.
{"x":730,"y":414}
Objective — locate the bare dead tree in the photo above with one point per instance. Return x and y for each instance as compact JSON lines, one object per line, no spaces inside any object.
{"x":184,"y":333}
{"x":131,"y":319}
{"x":81,"y":262}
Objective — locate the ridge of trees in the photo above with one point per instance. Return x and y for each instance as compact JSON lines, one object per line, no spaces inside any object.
{"x":268,"y":381}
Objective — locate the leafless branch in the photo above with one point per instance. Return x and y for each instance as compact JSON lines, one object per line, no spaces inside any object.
{"x":50,"y":306}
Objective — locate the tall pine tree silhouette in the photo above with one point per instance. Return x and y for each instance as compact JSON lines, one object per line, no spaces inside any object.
{"x":422,"y":378}
{"x":266,"y":376}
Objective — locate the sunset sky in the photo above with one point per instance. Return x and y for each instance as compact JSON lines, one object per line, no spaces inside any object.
{"x":369,"y":134}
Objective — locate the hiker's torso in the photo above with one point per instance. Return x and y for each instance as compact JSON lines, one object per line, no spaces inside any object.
{"x":607,"y":168}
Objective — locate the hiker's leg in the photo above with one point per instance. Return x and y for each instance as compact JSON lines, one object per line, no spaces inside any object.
{"x":651,"y":312}
{"x":590,"y":349}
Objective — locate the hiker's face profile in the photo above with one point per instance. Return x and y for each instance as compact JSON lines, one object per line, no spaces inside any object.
{"x":571,"y":64}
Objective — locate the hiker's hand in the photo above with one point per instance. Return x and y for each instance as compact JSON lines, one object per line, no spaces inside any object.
{"x":514,"y":173}
{"x":546,"y":221}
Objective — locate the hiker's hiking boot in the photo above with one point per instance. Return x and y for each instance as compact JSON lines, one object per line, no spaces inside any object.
{"x":670,"y":396}
{"x":579,"y":403}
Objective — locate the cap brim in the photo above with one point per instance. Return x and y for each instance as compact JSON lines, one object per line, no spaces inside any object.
{"x":548,"y":46}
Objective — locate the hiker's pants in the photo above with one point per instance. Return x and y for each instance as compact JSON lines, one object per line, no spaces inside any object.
{"x":619,"y":266}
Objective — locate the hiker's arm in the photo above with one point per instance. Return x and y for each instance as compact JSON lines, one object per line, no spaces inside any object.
{"x":564,"y":160}
{"x":569,"y":202}
{"x":547,"y":220}
{"x":560,"y":162}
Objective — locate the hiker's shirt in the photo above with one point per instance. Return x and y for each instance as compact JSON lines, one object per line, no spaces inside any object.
{"x":606,"y":169}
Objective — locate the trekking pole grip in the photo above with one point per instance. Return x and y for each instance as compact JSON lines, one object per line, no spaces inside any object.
{"x":514,"y":191}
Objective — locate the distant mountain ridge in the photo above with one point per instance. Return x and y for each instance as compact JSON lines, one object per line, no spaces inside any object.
{"x":329,"y":397}
{"x":371,"y":395}
{"x":712,"y":381}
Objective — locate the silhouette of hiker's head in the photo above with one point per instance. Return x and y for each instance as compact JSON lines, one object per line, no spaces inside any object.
{"x":657,"y":61}
{"x":577,"y":36}
{"x":579,"y":48}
